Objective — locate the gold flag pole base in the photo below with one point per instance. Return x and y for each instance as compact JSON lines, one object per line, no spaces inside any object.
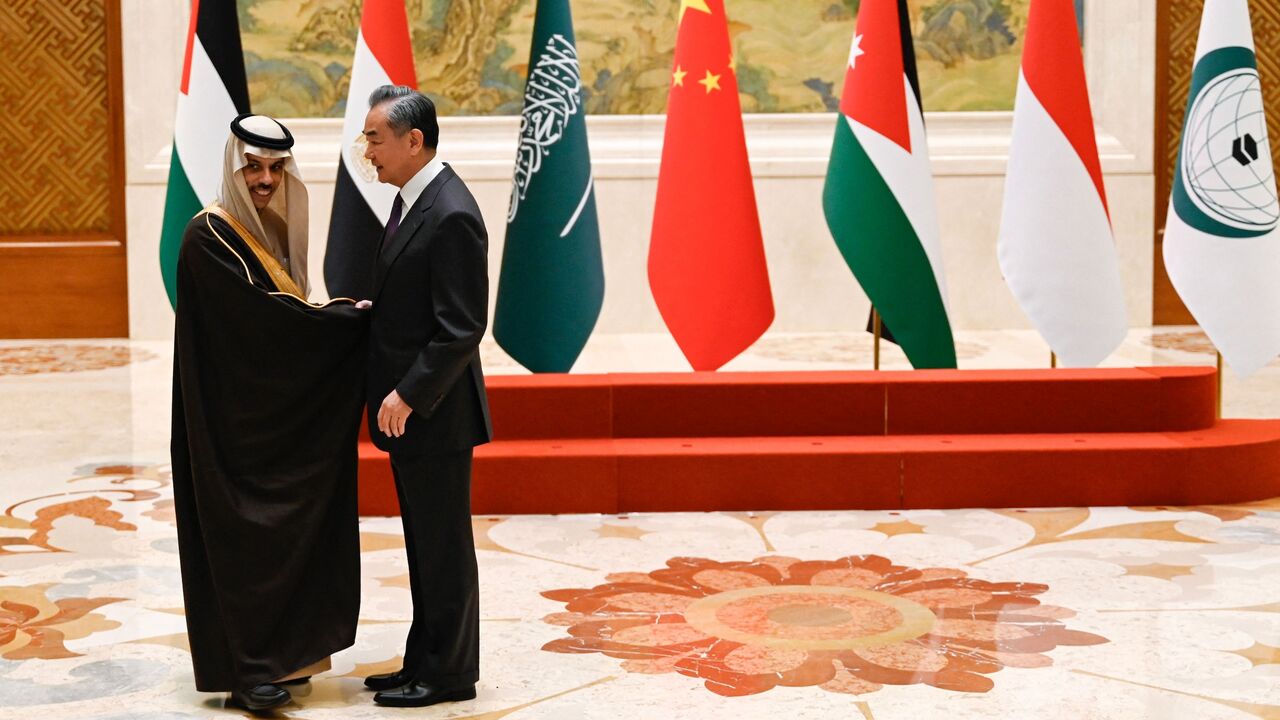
{"x":1053,"y":359}
{"x":1219,"y":384}
{"x":879,"y":327}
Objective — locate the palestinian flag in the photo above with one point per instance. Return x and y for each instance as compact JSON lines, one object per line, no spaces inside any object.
{"x":878,"y":198}
{"x":1056,"y":248}
{"x":1221,"y":243}
{"x":707,"y":266}
{"x":213,"y":92}
{"x":361,"y":204}
{"x":552,"y":281}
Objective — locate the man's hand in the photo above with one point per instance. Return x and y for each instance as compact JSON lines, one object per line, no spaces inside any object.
{"x":364,"y":304}
{"x":393,"y":415}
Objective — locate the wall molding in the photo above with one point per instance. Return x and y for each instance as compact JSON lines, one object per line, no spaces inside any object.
{"x":630,"y":146}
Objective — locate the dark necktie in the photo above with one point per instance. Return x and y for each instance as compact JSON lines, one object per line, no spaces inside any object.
{"x":394,"y":223}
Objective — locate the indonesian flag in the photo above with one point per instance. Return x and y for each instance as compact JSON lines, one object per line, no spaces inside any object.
{"x":361,"y":204}
{"x":1221,"y":243}
{"x":706,"y":256}
{"x":213,"y":92}
{"x":878,"y":198}
{"x":1056,"y":247}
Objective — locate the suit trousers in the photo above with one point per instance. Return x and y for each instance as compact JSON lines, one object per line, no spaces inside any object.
{"x":443,"y":648}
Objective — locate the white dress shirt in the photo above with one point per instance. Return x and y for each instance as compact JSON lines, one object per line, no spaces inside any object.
{"x":412,"y":190}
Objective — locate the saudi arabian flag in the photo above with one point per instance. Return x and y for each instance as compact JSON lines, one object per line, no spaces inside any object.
{"x":878,"y":198}
{"x":551,"y":284}
{"x":1221,"y":243}
{"x":213,"y":92}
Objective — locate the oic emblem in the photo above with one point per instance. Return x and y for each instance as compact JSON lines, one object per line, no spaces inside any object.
{"x":1225,"y":183}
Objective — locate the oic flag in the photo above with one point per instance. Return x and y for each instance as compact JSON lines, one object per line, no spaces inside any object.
{"x":213,"y":92}
{"x":878,"y":197}
{"x":551,"y":285}
{"x":707,"y":266}
{"x":1221,"y":245}
{"x":361,"y":204}
{"x":1056,"y":247}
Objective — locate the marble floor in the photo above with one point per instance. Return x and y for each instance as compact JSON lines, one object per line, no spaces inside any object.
{"x":1170,"y":612}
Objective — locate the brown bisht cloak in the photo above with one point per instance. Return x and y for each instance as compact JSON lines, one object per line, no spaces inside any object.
{"x":267,"y":400}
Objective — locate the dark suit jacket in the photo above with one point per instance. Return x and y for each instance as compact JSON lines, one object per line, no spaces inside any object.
{"x":430,"y":304}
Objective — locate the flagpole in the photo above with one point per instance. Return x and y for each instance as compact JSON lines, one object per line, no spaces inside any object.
{"x":1053,"y":359}
{"x":1219,"y":354}
{"x":879,"y":328}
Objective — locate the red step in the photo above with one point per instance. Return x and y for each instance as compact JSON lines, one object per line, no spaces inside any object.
{"x":773,"y":441}
{"x":1237,"y":461}
{"x":924,"y":402}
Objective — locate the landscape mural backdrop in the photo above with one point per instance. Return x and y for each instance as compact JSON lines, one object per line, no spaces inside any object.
{"x":471,"y":54}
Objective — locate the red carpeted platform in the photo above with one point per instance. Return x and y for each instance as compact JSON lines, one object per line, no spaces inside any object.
{"x":857,"y":440}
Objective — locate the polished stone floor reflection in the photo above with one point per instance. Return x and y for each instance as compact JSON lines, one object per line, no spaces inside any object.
{"x":1170,"y":612}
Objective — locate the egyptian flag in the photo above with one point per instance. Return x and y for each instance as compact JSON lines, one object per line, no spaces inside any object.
{"x":706,"y":256}
{"x":878,"y":198}
{"x":213,"y":92}
{"x":361,"y":204}
{"x":1221,"y":241}
{"x":1056,"y":247}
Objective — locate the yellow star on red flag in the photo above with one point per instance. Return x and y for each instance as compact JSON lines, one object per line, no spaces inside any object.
{"x":678,"y":76}
{"x":700,"y":5}
{"x":710,"y":82}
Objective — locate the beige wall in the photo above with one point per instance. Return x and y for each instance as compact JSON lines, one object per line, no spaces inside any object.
{"x":813,"y":289}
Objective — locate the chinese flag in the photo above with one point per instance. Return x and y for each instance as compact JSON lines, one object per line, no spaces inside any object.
{"x":706,"y":256}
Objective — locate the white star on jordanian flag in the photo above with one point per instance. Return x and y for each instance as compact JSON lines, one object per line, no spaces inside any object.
{"x":855,"y":50}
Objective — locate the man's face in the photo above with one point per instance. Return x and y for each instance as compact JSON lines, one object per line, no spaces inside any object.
{"x":396,"y":157}
{"x":263,"y":177}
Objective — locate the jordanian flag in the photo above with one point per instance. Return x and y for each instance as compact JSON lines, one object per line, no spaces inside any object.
{"x":878,"y":198}
{"x":1221,"y":243}
{"x":213,"y":92}
{"x":552,"y":281}
{"x":361,"y":204}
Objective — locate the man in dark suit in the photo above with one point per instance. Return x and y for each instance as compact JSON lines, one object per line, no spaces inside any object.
{"x":427,"y":404}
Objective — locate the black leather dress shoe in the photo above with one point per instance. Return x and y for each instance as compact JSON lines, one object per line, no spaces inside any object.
{"x":388,"y":681}
{"x":261,"y":697}
{"x":417,"y":694}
